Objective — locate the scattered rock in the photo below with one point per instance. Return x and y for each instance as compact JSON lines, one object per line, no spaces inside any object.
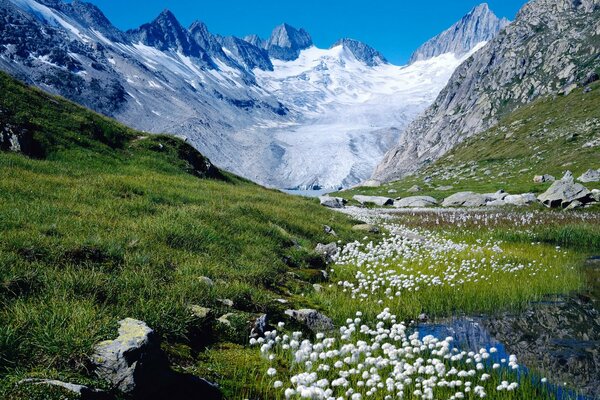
{"x":591,"y":175}
{"x":226,"y":302}
{"x":521,"y":199}
{"x":224,"y":319}
{"x":392,"y":191}
{"x":415,"y":201}
{"x":318,"y":288}
{"x":496,"y":203}
{"x":587,"y":89}
{"x":591,"y":78}
{"x":260,"y":326}
{"x":206,"y":280}
{"x":499,"y":195}
{"x":423,"y":318}
{"x":427,"y":179}
{"x":465,"y":199}
{"x":377,"y":200}
{"x":312,"y":319}
{"x":199,"y":311}
{"x":595,"y":195}
{"x":328,"y":251}
{"x":487,"y":172}
{"x":332,"y":202}
{"x":562,"y":193}
{"x":444,"y":188}
{"x":568,"y":89}
{"x":415,"y":189}
{"x":329,"y":230}
{"x":84,"y":392}
{"x":371,"y":183}
{"x":543,"y":178}
{"x":366,"y":228}
{"x":568,"y":177}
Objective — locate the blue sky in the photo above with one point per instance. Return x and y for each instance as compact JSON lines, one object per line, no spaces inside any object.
{"x":394,"y":27}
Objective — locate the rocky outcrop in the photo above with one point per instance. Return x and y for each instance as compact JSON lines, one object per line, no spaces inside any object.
{"x":135,"y":365}
{"x":551,"y":43}
{"x":564,"y":192}
{"x":328,"y":251}
{"x":543,"y":178}
{"x":480,"y":25}
{"x":520,"y":199}
{"x":286,"y":42}
{"x":362,"y":52}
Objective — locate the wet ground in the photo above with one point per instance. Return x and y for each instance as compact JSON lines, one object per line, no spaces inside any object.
{"x":558,"y":338}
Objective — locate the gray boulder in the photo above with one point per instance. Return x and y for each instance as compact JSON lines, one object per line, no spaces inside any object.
{"x":135,"y":365}
{"x":496,"y":203}
{"x":574,"y":205}
{"x":332,"y":202}
{"x":371,"y":183}
{"x":415,"y":189}
{"x":415,"y":201}
{"x":329,"y":230}
{"x":465,"y":199}
{"x":595,"y":195}
{"x":328,"y":251}
{"x":562,"y":193}
{"x":543,"y":178}
{"x":444,"y":188}
{"x":377,"y":200}
{"x":591,"y":175}
{"x":521,"y":199}
{"x":499,"y":195}
{"x":312,"y":319}
{"x":365,"y":228}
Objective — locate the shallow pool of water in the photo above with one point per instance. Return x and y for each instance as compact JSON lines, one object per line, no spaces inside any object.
{"x":558,"y":338}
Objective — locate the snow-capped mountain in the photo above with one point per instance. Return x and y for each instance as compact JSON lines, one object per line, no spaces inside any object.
{"x":480,"y":25}
{"x":278,"y":111}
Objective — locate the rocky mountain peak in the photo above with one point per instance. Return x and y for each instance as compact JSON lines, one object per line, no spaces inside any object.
{"x":202,"y":36}
{"x":479,"y":25}
{"x":255,"y":40}
{"x":166,"y":33}
{"x":91,"y":16}
{"x":286,"y":42}
{"x":362,"y":52}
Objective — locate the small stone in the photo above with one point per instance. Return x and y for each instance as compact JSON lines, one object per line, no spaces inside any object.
{"x":226,"y":302}
{"x":444,"y":188}
{"x":332,"y":202}
{"x":199,"y":311}
{"x":543,"y":178}
{"x":224,"y":319}
{"x":318,"y":288}
{"x":206,"y":280}
{"x":591,"y":175}
{"x":415,"y":189}
{"x":328,"y":251}
{"x":377,"y":200}
{"x":312,"y":319}
{"x":329,"y":230}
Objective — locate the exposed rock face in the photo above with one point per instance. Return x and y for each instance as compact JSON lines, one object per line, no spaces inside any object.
{"x":465,"y":199}
{"x":415,"y":201}
{"x":377,"y":200}
{"x":286,"y":42}
{"x":362,"y":52}
{"x":550,"y":44}
{"x":134,"y":364}
{"x":521,"y":199}
{"x":480,"y":25}
{"x":312,"y":319}
{"x":246,"y":54}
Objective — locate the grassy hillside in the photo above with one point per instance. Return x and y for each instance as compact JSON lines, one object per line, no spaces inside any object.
{"x":100,"y":222}
{"x":549,"y":136}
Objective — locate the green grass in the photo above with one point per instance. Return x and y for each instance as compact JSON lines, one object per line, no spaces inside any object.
{"x":101,"y":223}
{"x":547,"y":136}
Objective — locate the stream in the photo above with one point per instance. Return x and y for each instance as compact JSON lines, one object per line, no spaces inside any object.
{"x":558,"y":338}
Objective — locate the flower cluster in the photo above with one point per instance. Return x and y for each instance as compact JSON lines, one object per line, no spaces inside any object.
{"x":383,"y":361}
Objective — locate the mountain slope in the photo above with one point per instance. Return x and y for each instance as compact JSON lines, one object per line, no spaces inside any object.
{"x":551,"y":135}
{"x":107,"y":222}
{"x":479,"y":25}
{"x":551,"y":44}
{"x":280,"y":112}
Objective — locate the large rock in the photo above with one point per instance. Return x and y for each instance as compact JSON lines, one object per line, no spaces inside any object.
{"x":312,"y":319}
{"x":562,"y":193}
{"x":377,"y":200}
{"x":499,"y":195}
{"x":415,"y":201}
{"x":521,"y":199}
{"x":591,"y":175}
{"x":366,"y":228}
{"x":543,"y":178}
{"x":328,"y":251}
{"x":332,"y":202}
{"x":135,"y":365}
{"x":465,"y":199}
